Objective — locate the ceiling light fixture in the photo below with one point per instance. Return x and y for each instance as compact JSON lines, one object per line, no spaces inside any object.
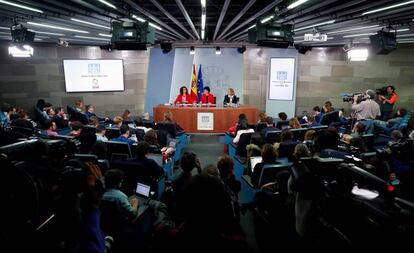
{"x":296,"y":4}
{"x":203,"y":3}
{"x":356,"y":28}
{"x":253,"y":26}
{"x":48,"y":33}
{"x":155,"y":26}
{"x":388,"y":7}
{"x":21,"y":6}
{"x":105,"y":35}
{"x":90,"y":23}
{"x":202,"y":34}
{"x":56,"y":27}
{"x":5,"y":28}
{"x":405,"y":42}
{"x":358,"y":35}
{"x":266,"y":19}
{"x":405,"y":35}
{"x":92,"y":38}
{"x":203,"y":21}
{"x":108,"y":4}
{"x":138,"y":18}
{"x":315,"y":25}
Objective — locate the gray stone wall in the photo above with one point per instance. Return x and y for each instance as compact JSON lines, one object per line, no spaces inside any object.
{"x":324,"y":73}
{"x":23,"y":81}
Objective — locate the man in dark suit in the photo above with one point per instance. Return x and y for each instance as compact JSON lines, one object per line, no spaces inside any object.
{"x":230,"y":98}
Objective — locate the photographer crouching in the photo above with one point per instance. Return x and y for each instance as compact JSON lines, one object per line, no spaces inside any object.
{"x":365,"y":109}
{"x":387,"y":98}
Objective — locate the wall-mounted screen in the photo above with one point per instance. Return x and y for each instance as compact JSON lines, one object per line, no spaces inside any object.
{"x":93,"y":75}
{"x":282,"y":77}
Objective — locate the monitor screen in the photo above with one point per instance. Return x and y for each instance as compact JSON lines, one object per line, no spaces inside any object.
{"x":93,"y":75}
{"x":143,"y":190}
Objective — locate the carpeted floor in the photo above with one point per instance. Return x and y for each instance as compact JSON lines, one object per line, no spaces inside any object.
{"x":209,"y":148}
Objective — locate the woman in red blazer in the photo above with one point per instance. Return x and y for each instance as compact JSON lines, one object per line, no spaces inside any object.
{"x":207,"y":97}
{"x":183,"y":97}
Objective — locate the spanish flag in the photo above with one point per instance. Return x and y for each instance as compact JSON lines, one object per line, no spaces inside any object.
{"x":193,"y":92}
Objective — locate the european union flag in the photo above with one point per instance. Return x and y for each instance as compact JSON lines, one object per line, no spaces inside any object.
{"x":200,"y":85}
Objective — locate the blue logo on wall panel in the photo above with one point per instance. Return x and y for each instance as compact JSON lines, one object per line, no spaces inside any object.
{"x":94,"y":68}
{"x":281,"y":75}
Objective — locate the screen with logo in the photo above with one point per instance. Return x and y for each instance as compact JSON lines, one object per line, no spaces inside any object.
{"x":93,"y":75}
{"x":282,"y":77}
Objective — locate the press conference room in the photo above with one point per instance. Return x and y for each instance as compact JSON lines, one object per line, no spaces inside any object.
{"x":206,"y":125}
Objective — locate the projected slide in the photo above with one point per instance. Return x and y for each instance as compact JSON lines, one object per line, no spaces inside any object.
{"x":282,"y":76}
{"x":93,"y":75}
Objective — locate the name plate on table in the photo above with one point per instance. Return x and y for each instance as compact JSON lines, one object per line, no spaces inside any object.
{"x":205,"y":121}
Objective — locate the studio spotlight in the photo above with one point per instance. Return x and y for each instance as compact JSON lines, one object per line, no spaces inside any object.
{"x":192,"y":50}
{"x":218,"y":51}
{"x":241,"y":49}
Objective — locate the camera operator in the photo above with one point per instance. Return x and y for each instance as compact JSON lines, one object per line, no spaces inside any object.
{"x":366,"y":110}
{"x":387,"y":102}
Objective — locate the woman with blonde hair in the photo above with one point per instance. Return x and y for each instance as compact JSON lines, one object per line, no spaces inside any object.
{"x":294,"y":123}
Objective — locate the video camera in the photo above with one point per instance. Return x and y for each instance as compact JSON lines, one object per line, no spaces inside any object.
{"x":381,"y":91}
{"x":349,"y":97}
{"x":40,"y":176}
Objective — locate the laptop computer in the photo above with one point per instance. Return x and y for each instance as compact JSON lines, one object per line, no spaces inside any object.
{"x":255,"y":160}
{"x":143,"y":190}
{"x":157,"y":158}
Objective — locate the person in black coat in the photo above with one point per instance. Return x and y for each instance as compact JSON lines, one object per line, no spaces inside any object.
{"x":230,"y":98}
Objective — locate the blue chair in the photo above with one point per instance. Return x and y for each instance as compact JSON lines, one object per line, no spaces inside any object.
{"x":268,"y":174}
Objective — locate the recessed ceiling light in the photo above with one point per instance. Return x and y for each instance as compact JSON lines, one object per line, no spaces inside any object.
{"x":138,"y":18}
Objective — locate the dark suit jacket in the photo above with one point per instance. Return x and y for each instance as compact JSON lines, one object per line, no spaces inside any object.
{"x":227,"y":99}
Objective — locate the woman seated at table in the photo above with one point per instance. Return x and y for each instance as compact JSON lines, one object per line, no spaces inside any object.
{"x":230,"y":98}
{"x":207,"y":97}
{"x":183,"y":97}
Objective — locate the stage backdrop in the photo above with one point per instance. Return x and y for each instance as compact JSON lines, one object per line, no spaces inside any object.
{"x":221,"y":71}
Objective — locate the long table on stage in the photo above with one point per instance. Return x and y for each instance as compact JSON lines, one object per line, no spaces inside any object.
{"x":224,"y":117}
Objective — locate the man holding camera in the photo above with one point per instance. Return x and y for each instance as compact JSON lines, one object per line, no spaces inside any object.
{"x":387,"y":103}
{"x":366,"y":110}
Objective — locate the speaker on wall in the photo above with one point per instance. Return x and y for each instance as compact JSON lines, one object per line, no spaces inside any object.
{"x":166,"y":47}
